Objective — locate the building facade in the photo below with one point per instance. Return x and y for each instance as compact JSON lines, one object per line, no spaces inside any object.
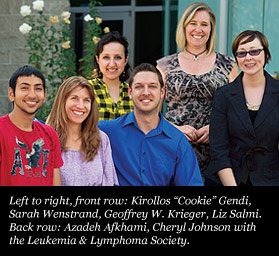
{"x":12,"y":52}
{"x":149,"y":26}
{"x":235,"y":16}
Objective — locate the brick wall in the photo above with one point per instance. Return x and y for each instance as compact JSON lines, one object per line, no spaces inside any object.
{"x":12,"y":51}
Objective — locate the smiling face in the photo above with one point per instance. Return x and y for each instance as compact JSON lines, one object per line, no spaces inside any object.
{"x":251,"y":65}
{"x":78,"y":105}
{"x":29,"y":95}
{"x":198,"y":30}
{"x":112,"y":61}
{"x":146,"y":92}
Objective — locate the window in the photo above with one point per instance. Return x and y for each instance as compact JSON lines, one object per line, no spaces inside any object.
{"x":140,"y":21}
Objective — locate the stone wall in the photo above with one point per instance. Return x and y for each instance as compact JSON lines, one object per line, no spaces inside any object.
{"x":12,"y":51}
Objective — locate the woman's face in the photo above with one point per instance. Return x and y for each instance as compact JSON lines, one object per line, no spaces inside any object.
{"x":249,"y":64}
{"x":78,"y":105}
{"x":112,"y":61}
{"x":198,"y":30}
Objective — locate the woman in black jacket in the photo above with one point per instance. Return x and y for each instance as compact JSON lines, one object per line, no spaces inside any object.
{"x":244,"y":125}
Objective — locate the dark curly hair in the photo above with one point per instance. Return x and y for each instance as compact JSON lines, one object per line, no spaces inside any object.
{"x":106,"y":39}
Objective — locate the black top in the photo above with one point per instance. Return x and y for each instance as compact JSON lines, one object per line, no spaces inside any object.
{"x":253,"y":115}
{"x":250,"y":149}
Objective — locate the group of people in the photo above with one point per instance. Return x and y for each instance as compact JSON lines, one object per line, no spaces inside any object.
{"x":220,"y":127}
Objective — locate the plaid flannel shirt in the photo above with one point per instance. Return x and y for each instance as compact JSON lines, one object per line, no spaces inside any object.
{"x":108,"y":109}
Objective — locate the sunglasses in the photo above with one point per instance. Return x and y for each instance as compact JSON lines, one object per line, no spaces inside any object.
{"x":254,"y":52}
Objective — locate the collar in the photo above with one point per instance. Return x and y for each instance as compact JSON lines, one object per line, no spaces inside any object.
{"x":101,"y":82}
{"x":162,"y":127}
{"x":271,"y":84}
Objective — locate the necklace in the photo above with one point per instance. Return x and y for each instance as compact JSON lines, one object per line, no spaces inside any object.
{"x":253,"y":108}
{"x":196,"y":56}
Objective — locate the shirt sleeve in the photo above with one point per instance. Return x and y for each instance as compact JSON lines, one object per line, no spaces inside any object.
{"x":187,"y":171}
{"x":219,"y":134}
{"x":102,"y":125}
{"x":0,"y":161}
{"x":109,"y":172}
{"x":163,"y":63}
{"x":58,"y":161}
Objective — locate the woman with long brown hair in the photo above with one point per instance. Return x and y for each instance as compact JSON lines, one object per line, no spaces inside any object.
{"x":85,"y":149}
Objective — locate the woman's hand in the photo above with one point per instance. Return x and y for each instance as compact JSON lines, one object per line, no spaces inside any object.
{"x":189,"y":131}
{"x":203,"y":135}
{"x":193,"y":135}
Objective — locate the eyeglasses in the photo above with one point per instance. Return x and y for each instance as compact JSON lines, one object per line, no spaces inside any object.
{"x":254,"y":52}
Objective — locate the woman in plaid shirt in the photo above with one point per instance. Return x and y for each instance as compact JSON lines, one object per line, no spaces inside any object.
{"x":111,"y":71}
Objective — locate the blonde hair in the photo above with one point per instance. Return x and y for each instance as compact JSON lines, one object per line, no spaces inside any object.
{"x":58,"y":118}
{"x":185,"y":19}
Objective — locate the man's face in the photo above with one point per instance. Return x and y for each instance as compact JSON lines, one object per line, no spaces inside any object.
{"x":29,"y":94}
{"x":146,"y":92}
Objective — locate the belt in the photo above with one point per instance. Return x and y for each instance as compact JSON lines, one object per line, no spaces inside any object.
{"x":248,"y":163}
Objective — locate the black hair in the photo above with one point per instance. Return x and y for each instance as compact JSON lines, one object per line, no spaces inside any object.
{"x":109,"y":38}
{"x":26,"y":70}
{"x":146,"y":67}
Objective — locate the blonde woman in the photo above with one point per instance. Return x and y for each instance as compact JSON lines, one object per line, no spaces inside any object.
{"x":85,"y":149}
{"x":192,"y":76}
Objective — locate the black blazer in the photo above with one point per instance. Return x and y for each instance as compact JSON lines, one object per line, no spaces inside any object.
{"x":251,"y":150}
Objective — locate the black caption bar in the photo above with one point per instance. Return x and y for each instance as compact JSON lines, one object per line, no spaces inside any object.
{"x":119,"y":217}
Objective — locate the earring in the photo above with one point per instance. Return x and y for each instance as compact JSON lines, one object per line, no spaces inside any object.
{"x":100,"y":74}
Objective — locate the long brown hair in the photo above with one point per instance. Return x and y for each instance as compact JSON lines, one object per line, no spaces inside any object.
{"x":90,"y":137}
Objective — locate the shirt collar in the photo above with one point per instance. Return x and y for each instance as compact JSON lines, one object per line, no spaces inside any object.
{"x":130,"y":118}
{"x":104,"y":84}
{"x":162,"y":127}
